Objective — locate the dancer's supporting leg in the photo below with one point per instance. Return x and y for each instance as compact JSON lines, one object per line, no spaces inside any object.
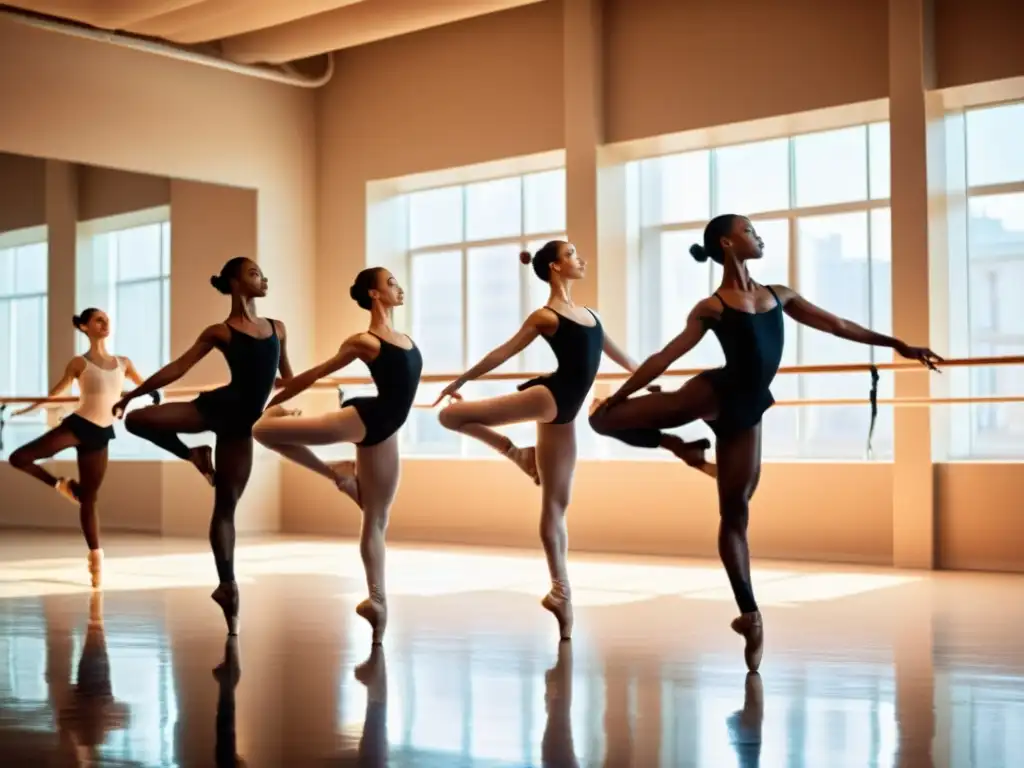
{"x":379,"y":469}
{"x":161,"y":424}
{"x":291,"y":437}
{"x":477,"y":418}
{"x":639,"y":421}
{"x":44,"y":447}
{"x":234,"y":465}
{"x":92,"y":466}
{"x":556,"y":461}
{"x":739,"y":469}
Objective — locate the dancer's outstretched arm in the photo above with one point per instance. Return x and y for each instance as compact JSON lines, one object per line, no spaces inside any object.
{"x":535,"y":323}
{"x":806,"y":313}
{"x":73,"y":371}
{"x":133,"y":376}
{"x":658,"y":363}
{"x":174,"y":370}
{"x":354,"y":347}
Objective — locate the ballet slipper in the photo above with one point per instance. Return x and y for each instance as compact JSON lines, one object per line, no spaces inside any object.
{"x":526,"y":460}
{"x":559,"y":602}
{"x":227,"y":597}
{"x":750,"y":626}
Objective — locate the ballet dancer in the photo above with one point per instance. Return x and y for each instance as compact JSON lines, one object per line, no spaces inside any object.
{"x":371,"y":423}
{"x":747,"y":319}
{"x":88,"y":430}
{"x":255,"y":349}
{"x":577,"y":339}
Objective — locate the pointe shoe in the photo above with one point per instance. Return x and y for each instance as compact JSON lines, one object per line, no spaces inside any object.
{"x":226,"y":596}
{"x":561,"y":606}
{"x":66,"y":488}
{"x":376,"y":615}
{"x":750,"y":626}
{"x":96,"y":567}
{"x":96,"y":608}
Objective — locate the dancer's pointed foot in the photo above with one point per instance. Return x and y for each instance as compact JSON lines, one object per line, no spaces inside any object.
{"x":68,"y":489}
{"x":227,"y":597}
{"x":201,"y":458}
{"x":346,"y":480}
{"x":277,"y":411}
{"x":559,"y":603}
{"x":376,"y":614}
{"x":750,"y":626}
{"x":692,"y":453}
{"x":526,"y":460}
{"x":96,"y":567}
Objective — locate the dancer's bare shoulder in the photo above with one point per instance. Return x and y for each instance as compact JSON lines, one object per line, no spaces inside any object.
{"x":364,"y":346}
{"x":544,"y":319}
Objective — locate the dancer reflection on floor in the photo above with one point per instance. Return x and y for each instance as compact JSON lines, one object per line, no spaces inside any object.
{"x":255,"y":349}
{"x":370,"y":423}
{"x":88,"y":430}
{"x":747,"y":319}
{"x":227,"y":674}
{"x":553,"y":401}
{"x":93,"y":711}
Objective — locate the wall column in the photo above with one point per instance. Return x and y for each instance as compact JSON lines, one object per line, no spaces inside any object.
{"x":584,"y":129}
{"x":62,"y":240}
{"x":911,"y":75}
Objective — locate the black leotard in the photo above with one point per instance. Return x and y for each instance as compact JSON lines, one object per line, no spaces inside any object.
{"x":396,"y":373}
{"x":234,"y":408}
{"x":752,"y":343}
{"x":577,"y":349}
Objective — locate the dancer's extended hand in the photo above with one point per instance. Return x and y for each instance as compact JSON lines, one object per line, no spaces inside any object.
{"x":121,"y":406}
{"x":451,"y":392}
{"x":922,"y":354}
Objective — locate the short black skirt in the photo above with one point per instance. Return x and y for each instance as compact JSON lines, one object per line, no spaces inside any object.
{"x":91,"y":437}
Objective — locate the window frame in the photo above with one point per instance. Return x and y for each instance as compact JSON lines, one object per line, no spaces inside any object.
{"x":463,"y":246}
{"x":14,"y":241}
{"x":968,"y":421}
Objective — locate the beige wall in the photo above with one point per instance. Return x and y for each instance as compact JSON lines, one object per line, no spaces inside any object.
{"x":22,"y":192}
{"x":978,"y":40}
{"x":106,"y":192}
{"x":671,"y":66}
{"x":99,"y":105}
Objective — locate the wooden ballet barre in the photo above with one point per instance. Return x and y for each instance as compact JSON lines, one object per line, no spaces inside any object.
{"x":445,"y":378}
{"x":902,"y":365}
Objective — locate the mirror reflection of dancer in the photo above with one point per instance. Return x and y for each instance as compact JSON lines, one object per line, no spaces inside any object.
{"x":254,"y":348}
{"x":577,"y":340}
{"x":227,"y":674}
{"x":747,"y":319}
{"x":371,"y":423}
{"x":88,"y":430}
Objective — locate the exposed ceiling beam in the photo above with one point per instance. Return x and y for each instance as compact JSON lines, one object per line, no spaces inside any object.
{"x":354,"y":25}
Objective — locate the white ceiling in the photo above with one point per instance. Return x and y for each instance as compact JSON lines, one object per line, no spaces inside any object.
{"x":267,"y":31}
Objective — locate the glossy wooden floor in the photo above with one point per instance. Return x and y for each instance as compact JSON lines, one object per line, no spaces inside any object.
{"x":862,"y":668}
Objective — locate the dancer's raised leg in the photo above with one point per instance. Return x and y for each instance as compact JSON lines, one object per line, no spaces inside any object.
{"x":640,"y":420}
{"x":477,"y":418}
{"x":379,"y":470}
{"x":556,"y":461}
{"x":161,"y":424}
{"x":738,"y":471}
{"x":291,"y":437}
{"x":234,"y":465}
{"x":44,"y":447}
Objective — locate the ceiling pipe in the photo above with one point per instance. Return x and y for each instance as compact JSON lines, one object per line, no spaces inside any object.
{"x":163,"y":49}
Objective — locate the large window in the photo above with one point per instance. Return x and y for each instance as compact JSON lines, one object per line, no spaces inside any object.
{"x":23,"y":323}
{"x":468,"y":292}
{"x":986,"y":274}
{"x":820,"y":202}
{"x":124,"y":268}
